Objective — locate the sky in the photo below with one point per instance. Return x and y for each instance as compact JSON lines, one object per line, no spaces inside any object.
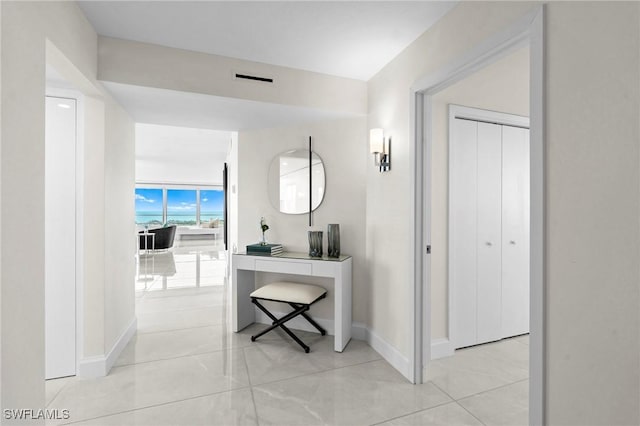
{"x":179,"y":200}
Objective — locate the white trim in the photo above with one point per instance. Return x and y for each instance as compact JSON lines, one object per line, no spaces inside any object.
{"x":100,"y":365}
{"x":528,"y":30}
{"x":441,"y":348}
{"x":419,"y":311}
{"x":170,"y":185}
{"x":476,"y":114}
{"x":94,"y":366}
{"x":390,"y":354}
{"x":537,"y":381}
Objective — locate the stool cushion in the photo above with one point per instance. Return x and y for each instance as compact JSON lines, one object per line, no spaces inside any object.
{"x":289,"y":292}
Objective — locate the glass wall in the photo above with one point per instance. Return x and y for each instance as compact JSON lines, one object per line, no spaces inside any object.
{"x":211,"y":205}
{"x":180,"y":206}
{"x":149,"y":207}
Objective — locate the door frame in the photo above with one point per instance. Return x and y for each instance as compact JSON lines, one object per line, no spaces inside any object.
{"x":477,"y":115}
{"x":529,"y":30}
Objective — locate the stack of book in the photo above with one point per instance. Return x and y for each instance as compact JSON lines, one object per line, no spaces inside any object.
{"x":265,"y":250}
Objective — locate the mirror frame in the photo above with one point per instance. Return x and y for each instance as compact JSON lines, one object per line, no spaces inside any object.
{"x":273,"y":184}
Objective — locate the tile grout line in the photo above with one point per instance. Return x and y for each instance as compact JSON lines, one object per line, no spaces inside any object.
{"x":315,"y":372}
{"x":59,"y":390}
{"x":414,"y":412}
{"x":253,"y":399}
{"x":470,"y":413}
{"x":181,"y":310}
{"x":149,"y":295}
{"x":157,"y":405}
{"x":138,"y":333}
{"x":492,"y":389}
{"x":177,"y":357}
{"x":459,"y":405}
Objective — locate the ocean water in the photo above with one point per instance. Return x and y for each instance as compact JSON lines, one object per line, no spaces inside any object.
{"x":178,"y":219}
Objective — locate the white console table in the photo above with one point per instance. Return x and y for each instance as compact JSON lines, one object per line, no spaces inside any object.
{"x":243,"y":283}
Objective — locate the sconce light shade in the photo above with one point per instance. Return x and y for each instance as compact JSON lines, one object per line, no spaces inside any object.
{"x":376,"y":141}
{"x":380,"y":149}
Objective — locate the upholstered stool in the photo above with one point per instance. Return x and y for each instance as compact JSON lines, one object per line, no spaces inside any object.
{"x":299,"y":296}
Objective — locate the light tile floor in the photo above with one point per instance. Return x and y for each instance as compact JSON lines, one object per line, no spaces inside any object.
{"x":185,"y":367}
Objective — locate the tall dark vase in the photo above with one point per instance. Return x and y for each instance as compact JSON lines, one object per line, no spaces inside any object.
{"x":333,"y":237}
{"x":315,"y":243}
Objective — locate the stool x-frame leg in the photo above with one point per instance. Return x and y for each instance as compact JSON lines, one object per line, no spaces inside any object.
{"x":299,"y":309}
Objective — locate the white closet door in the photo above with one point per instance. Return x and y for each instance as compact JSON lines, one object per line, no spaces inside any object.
{"x":463,"y":151}
{"x":489,"y":242}
{"x":515,"y":229}
{"x":60,"y":238}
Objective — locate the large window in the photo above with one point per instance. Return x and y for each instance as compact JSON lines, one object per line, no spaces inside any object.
{"x":211,"y":205}
{"x":149,"y":207}
{"x":182,"y":207}
{"x":179,"y":206}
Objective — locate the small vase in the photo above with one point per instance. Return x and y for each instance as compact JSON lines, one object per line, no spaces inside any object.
{"x":333,"y":240}
{"x":315,"y":243}
{"x":264,"y":240}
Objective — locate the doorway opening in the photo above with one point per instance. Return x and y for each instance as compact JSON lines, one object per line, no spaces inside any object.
{"x":524,"y":34}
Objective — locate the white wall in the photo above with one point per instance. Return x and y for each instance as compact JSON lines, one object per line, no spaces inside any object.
{"x":342,"y":145}
{"x":592,"y":235}
{"x":503,"y":86}
{"x":141,"y":64}
{"x":389,"y":195}
{"x":119,"y":223}
{"x":591,"y":212}
{"x":168,"y":154}
{"x":27,"y":30}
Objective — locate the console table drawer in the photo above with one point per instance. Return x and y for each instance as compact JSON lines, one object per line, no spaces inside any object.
{"x":299,"y":268}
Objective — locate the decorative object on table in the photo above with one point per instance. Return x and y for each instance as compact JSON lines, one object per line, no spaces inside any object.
{"x":265,"y":249}
{"x":315,"y":243}
{"x":333,"y":240}
{"x":264,"y":227}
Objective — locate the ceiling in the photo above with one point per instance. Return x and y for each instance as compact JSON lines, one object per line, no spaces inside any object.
{"x":174,"y":108}
{"x":348,"y":39}
{"x":167,"y":154}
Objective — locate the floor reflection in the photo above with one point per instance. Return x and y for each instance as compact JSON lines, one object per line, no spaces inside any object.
{"x":180,"y":268}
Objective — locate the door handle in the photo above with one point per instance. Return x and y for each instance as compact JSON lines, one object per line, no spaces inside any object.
{"x":488,"y":244}
{"x":512,"y":242}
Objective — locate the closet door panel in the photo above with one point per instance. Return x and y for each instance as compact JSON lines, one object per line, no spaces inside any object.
{"x":489,"y":239}
{"x":462,"y":230}
{"x":515,"y":229}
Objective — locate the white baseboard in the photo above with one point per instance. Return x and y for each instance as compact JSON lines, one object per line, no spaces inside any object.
{"x":389,"y":353}
{"x":100,"y":365}
{"x":94,"y":366}
{"x":359,"y":331}
{"x":441,"y":348}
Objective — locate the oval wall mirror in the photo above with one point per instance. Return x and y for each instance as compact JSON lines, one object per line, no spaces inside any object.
{"x":291,"y":184}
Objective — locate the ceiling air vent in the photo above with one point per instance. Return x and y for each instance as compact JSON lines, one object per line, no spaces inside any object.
{"x":253,"y":78}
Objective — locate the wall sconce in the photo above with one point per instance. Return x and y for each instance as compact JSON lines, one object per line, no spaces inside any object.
{"x":381,"y":149}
